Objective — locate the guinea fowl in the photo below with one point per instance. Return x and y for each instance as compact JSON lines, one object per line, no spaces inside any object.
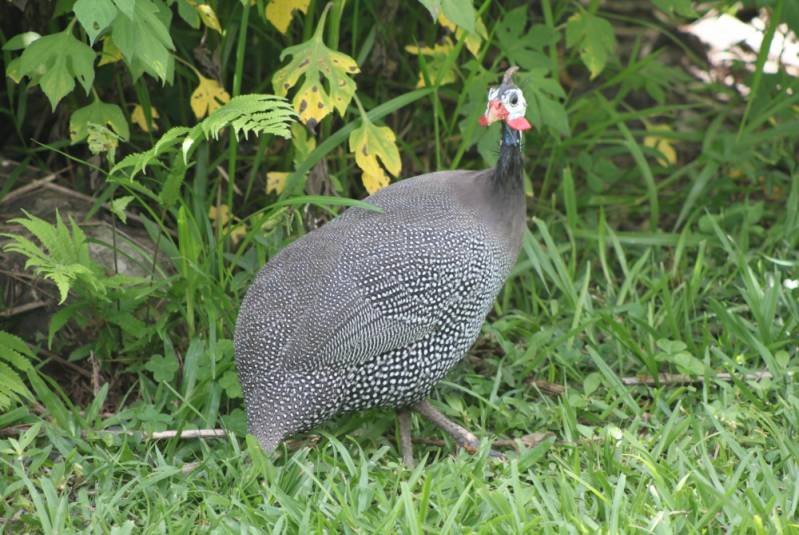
{"x":373,"y":309}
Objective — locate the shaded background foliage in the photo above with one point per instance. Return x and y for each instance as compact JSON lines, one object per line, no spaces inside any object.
{"x":664,"y":203}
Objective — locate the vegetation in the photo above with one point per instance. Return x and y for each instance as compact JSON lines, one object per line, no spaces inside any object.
{"x":643,"y":351}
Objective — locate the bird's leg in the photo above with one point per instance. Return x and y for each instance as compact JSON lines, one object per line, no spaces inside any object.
{"x":462,"y":436}
{"x":406,"y":445}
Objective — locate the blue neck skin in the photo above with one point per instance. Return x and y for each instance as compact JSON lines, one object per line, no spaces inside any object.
{"x":510,"y":136}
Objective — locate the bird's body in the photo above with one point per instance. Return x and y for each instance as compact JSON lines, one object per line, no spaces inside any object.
{"x":374,"y":308}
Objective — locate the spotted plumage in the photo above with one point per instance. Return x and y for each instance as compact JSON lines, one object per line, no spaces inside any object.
{"x":373,"y":309}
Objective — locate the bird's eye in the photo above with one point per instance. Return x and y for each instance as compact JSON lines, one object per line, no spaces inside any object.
{"x":514,"y":98}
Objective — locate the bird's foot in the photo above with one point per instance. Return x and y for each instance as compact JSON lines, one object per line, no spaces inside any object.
{"x":462,"y":436}
{"x":406,"y":445}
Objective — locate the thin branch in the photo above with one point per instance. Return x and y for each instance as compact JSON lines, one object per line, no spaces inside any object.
{"x":21,"y":309}
{"x":546,"y":387}
{"x":682,"y":379}
{"x":64,"y":362}
{"x":30,"y":186}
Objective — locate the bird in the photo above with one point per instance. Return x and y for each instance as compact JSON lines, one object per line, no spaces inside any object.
{"x":373,"y":308}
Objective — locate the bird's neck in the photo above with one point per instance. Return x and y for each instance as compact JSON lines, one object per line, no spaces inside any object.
{"x":507,"y":178}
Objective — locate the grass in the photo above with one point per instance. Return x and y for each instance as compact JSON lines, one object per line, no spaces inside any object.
{"x":714,"y":456}
{"x":632,"y":266}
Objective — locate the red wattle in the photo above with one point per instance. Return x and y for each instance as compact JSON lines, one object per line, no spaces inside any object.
{"x":519,"y":123}
{"x":483,"y":120}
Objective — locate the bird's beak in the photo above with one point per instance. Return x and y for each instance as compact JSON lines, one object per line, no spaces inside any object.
{"x":496,"y":111}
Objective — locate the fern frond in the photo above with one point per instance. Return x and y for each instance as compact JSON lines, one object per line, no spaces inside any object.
{"x":63,"y":256}
{"x":255,"y":113}
{"x":15,"y":358}
{"x":259,"y":114}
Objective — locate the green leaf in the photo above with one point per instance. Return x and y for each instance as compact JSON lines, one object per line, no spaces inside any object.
{"x":245,"y":114}
{"x":119,"y":205}
{"x":525,"y":49}
{"x":594,"y":37}
{"x":97,"y":112}
{"x":95,"y":16}
{"x":543,"y":106}
{"x":163,"y":368}
{"x":143,"y":39}
{"x":677,"y":7}
{"x":21,"y":41}
{"x":230,"y":383}
{"x":127,"y":7}
{"x":54,"y":62}
{"x":461,"y":12}
{"x":102,"y":140}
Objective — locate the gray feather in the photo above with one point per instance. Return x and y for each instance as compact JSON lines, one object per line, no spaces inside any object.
{"x":373,"y":309}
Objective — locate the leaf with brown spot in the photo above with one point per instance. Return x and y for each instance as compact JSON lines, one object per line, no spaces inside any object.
{"x":208,"y":96}
{"x":369,"y":142}
{"x":312,"y":61}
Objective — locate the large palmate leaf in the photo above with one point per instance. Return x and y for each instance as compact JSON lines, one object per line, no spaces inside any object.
{"x":314,"y":61}
{"x":54,"y":62}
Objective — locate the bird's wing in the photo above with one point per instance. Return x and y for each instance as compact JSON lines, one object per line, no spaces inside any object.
{"x":392,"y":288}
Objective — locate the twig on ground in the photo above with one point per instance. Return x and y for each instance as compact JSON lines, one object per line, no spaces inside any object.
{"x":95,"y":373}
{"x":64,"y":362}
{"x":527,"y":441}
{"x":553,"y":389}
{"x":546,"y":387}
{"x":682,"y":379}
{"x":186,"y":433}
{"x":21,"y":309}
{"x":31,"y":186}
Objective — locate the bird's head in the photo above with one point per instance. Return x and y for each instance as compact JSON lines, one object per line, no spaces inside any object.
{"x":506,"y":102}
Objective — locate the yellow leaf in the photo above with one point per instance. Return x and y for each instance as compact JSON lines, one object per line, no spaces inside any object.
{"x":437,"y":69}
{"x":662,"y":144}
{"x":369,"y":142}
{"x":208,"y":96}
{"x":238,"y":232}
{"x":311,"y":60}
{"x":311,"y":102}
{"x":110,"y":52}
{"x":139,"y":119}
{"x":276,"y":181}
{"x":222,"y":212}
{"x":207,"y":15}
{"x":374,"y":183}
{"x":279,"y":12}
{"x":473,"y":41}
